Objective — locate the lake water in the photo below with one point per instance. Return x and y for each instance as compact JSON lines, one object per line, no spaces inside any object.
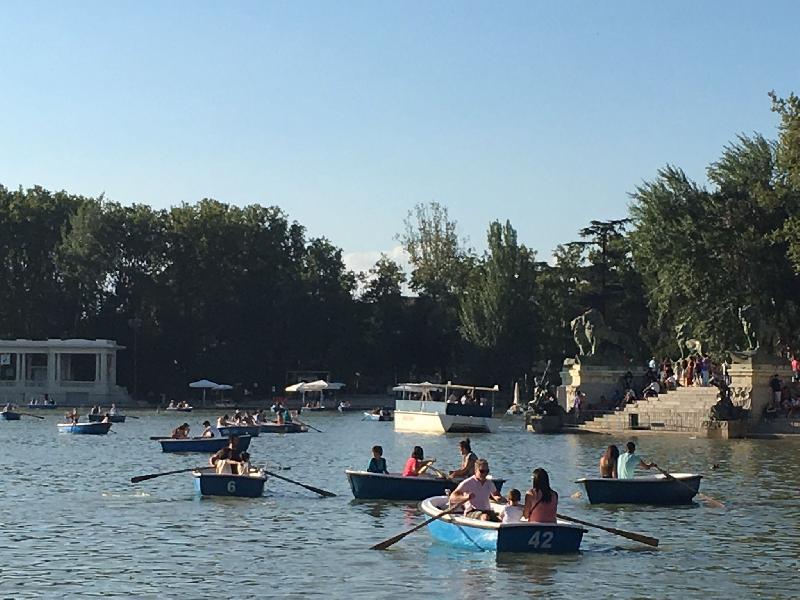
{"x":72,"y":524}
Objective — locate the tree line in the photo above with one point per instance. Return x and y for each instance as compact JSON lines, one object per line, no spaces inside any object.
{"x":243,"y":295}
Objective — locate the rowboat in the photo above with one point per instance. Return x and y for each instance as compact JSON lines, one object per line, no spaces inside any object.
{"x":282,"y":428}
{"x":653,"y":489}
{"x":457,"y":530}
{"x":10,"y":415}
{"x":208,"y":482}
{"x":229,"y":430}
{"x":112,"y":418}
{"x":43,"y":406}
{"x":179,"y":409}
{"x":84,"y":428}
{"x":387,"y":416}
{"x":208,"y":445}
{"x":380,"y":486}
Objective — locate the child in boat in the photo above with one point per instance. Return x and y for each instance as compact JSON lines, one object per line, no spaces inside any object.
{"x":244,"y":465}
{"x":512,"y":512}
{"x":377,"y":464}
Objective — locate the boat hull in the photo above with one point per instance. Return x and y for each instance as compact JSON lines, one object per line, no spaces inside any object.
{"x":10,"y":416}
{"x":521,"y":537}
{"x":187,"y":409}
{"x":434,"y":422}
{"x":238,"y":486}
{"x":379,"y":486}
{"x":282,"y":428}
{"x":112,"y":418}
{"x":43,"y":406}
{"x":85,"y":428}
{"x":205,"y":445}
{"x":544,"y":423}
{"x":656,"y":489}
{"x":229,"y":430}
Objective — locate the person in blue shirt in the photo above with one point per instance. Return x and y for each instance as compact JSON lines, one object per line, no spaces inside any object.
{"x":377,"y":464}
{"x":628,"y":461}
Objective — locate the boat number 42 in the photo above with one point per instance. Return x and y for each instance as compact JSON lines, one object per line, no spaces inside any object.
{"x":541,"y":539}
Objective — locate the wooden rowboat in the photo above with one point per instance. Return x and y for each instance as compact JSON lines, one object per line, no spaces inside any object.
{"x":457,"y":530}
{"x":84,"y":428}
{"x":207,"y":445}
{"x":380,"y":486}
{"x":369,"y":416}
{"x":207,"y":482}
{"x":653,"y":489}
{"x":229,"y":430}
{"x":10,"y":415}
{"x":282,"y":428}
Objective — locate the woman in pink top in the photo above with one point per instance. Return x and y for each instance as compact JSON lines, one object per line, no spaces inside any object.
{"x":415,"y":465}
{"x":541,"y":502}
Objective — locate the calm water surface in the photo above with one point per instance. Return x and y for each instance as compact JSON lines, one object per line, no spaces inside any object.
{"x":72,"y":525}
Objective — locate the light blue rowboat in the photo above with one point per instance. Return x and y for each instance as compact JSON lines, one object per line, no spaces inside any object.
{"x":533,"y":538}
{"x":84,"y":428}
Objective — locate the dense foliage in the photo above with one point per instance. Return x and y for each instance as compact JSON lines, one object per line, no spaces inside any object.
{"x":243,"y":296}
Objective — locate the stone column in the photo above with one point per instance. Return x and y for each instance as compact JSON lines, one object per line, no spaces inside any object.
{"x":752,"y":374}
{"x":593,"y":379}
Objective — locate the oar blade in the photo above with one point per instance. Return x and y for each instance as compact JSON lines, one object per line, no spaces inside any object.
{"x":637,"y":537}
{"x":390,"y":542}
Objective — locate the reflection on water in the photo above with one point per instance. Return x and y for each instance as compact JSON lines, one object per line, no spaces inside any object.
{"x":70,"y":515}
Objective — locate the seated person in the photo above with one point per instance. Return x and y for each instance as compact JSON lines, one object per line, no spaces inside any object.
{"x":541,"y":501}
{"x":475,"y":492}
{"x":652,"y":390}
{"x":223,"y":421}
{"x":512,"y":512}
{"x":171,"y":404}
{"x":377,"y":464}
{"x":416,"y":464}
{"x":227,"y":458}
{"x":209,"y":431}
{"x":181,"y":432}
{"x":771,"y":410}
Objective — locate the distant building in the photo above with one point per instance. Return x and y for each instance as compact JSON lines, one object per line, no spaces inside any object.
{"x":69,"y":372}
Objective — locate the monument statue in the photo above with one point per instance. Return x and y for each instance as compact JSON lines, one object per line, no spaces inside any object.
{"x":594,"y":338}
{"x":759,"y":334}
{"x":682,"y":337}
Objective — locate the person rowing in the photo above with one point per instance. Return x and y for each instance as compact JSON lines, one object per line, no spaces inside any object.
{"x":478,"y":491}
{"x":468,"y":458}
{"x":416,"y":464}
{"x":209,"y":430}
{"x":627,"y":463}
{"x":181,"y":432}
{"x":228,"y":458}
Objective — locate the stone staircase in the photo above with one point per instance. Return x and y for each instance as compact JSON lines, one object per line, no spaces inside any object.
{"x":683,"y":410}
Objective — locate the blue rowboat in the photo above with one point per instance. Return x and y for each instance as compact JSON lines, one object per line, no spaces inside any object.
{"x":229,"y":430}
{"x":209,"y":483}
{"x":282,"y":428}
{"x":112,"y":418}
{"x":380,"y":486}
{"x":207,"y":445}
{"x":43,"y":406}
{"x":180,"y":409}
{"x":654,"y":489}
{"x":10,"y":415}
{"x":84,"y":428}
{"x":472,"y":534}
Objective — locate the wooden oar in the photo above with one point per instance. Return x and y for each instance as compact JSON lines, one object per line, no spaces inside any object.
{"x":393,"y":540}
{"x":707,"y":499}
{"x":30,"y":415}
{"x":139,"y":478}
{"x":307,"y":425}
{"x":131,"y":417}
{"x":644,"y":539}
{"x":316,"y":490}
{"x":442,"y":475}
{"x":160,"y":437}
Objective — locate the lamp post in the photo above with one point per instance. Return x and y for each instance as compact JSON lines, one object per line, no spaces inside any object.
{"x":136,"y":325}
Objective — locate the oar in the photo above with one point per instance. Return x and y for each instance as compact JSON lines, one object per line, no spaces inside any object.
{"x":316,"y":490}
{"x":30,"y":415}
{"x":131,"y":417}
{"x":160,"y":437}
{"x":707,"y":499}
{"x":139,"y":478}
{"x":644,"y":539}
{"x":307,"y":425}
{"x":393,"y":540}
{"x":442,"y":475}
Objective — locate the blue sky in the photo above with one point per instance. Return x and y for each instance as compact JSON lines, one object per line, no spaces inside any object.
{"x":347,"y":114}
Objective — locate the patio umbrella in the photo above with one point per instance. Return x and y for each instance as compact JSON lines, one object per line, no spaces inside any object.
{"x":204,"y":384}
{"x":516,"y":392}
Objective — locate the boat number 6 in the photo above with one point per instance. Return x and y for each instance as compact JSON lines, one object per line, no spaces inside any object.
{"x":536,"y":541}
{"x":232,"y":488}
